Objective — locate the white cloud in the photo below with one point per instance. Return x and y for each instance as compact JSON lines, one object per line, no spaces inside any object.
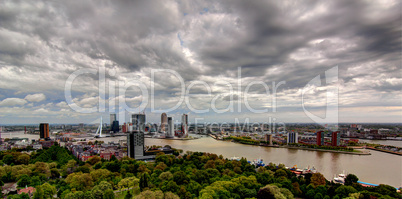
{"x":13,"y":102}
{"x":36,"y":97}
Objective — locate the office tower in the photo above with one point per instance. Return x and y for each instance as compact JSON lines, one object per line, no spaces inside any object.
{"x":170,"y":127}
{"x":135,"y":144}
{"x":336,"y":138}
{"x":268,"y":139}
{"x":320,"y":138}
{"x":44,"y":130}
{"x":138,"y":121}
{"x":184,"y":124}
{"x":112,"y":123}
{"x":124,"y":128}
{"x":163,"y":122}
{"x":293,"y":137}
{"x":115,"y":126}
{"x":112,"y":118}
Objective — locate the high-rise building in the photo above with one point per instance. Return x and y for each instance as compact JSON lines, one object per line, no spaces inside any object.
{"x":336,"y":138}
{"x":164,"y":122}
{"x":293,"y":137}
{"x":135,"y":144}
{"x":115,"y":126}
{"x":268,"y":138}
{"x":138,"y":121}
{"x":112,"y":118}
{"x":44,"y":130}
{"x":184,"y":124}
{"x":170,"y":127}
{"x":124,"y":128}
{"x":320,"y":138}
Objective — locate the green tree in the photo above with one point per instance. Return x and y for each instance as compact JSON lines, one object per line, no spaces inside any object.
{"x":270,"y":192}
{"x":80,"y":181}
{"x":128,"y":195}
{"x":109,"y":194}
{"x":386,"y":190}
{"x":8,"y":159}
{"x":317,"y":179}
{"x":24,"y":196}
{"x":25,"y":180}
{"x":42,"y":169}
{"x":310,"y":194}
{"x":321,"y":189}
{"x":318,"y":196}
{"x":280,"y":173}
{"x":350,"y":179}
{"x":169,"y":186}
{"x":94,"y":160}
{"x":38,"y":193}
{"x":54,"y":173}
{"x":344,"y":191}
{"x":128,"y":183}
{"x":100,"y":174}
{"x":166,"y":176}
{"x":144,"y":180}
{"x":170,"y":195}
{"x":35,"y":181}
{"x":23,"y":159}
{"x":356,"y":195}
{"x":98,"y":191}
{"x":150,"y":194}
{"x":180,"y":178}
{"x":48,"y":190}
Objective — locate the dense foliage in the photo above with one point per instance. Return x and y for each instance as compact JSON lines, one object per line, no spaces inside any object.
{"x":192,"y":175}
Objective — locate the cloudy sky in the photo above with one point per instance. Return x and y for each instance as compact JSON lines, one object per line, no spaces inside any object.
{"x":74,"y":61}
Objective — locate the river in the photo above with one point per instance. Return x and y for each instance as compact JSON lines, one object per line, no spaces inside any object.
{"x":377,"y":168}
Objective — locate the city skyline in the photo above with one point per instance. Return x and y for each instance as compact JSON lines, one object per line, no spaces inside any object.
{"x":222,"y":53}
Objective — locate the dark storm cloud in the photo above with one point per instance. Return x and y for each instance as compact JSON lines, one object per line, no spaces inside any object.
{"x":43,"y":42}
{"x":274,"y":32}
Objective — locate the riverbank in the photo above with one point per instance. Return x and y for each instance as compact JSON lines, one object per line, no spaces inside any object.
{"x":299,"y":148}
{"x":324,"y":150}
{"x":385,"y":151}
{"x":175,"y":138}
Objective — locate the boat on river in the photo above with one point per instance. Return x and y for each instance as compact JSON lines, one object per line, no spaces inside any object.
{"x":341,"y":178}
{"x":257,"y":163}
{"x":309,"y":170}
{"x":235,"y":158}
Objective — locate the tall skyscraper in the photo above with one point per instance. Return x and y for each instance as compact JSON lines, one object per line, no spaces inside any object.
{"x":138,"y":121}
{"x":170,"y":127}
{"x":336,"y":138}
{"x":44,"y":130}
{"x":268,"y":138}
{"x":320,"y":138}
{"x":115,"y":126}
{"x":135,"y":144}
{"x":112,"y":118}
{"x":124,"y":128}
{"x":184,"y":124}
{"x":293,"y":137}
{"x":164,"y":122}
